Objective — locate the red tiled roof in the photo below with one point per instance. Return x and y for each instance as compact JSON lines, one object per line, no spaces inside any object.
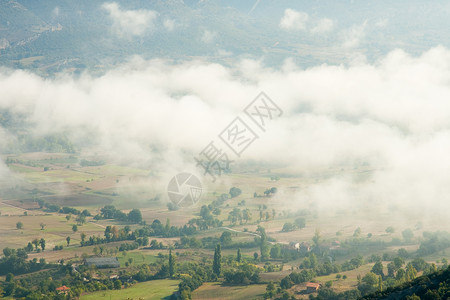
{"x":63,"y":288}
{"x":313,"y":284}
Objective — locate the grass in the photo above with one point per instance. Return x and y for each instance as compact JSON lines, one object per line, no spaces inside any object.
{"x":57,"y":228}
{"x":217,"y":291}
{"x":150,"y":290}
{"x":341,"y":285}
{"x":139,"y":258}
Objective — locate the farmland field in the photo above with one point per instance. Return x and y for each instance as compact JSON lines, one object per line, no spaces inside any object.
{"x":152,"y":290}
{"x":217,"y":291}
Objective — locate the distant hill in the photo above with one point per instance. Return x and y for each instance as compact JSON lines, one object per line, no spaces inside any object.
{"x":18,"y":25}
{"x":55,"y":35}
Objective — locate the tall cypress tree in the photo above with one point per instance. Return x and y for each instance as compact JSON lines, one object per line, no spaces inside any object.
{"x":239,"y":257}
{"x":217,"y":261}
{"x":264,"y":245}
{"x":171,"y":264}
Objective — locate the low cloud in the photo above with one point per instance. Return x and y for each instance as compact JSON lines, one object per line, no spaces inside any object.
{"x":300,"y":21}
{"x":294,"y":20}
{"x":169,"y":24}
{"x":208,"y":37}
{"x":372,"y":134}
{"x":323,"y":26}
{"x":130,"y":22}
{"x":353,"y":36}
{"x":382,"y":23}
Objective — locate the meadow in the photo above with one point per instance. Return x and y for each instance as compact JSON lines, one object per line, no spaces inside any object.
{"x":151,"y":290}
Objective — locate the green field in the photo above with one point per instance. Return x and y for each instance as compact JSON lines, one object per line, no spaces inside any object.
{"x":138,"y":258}
{"x":150,"y":290}
{"x":217,"y":291}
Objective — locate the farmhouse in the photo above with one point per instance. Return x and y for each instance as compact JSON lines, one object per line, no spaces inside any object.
{"x":304,"y":248}
{"x":103,"y":262}
{"x":63,"y":290}
{"x":312,"y":287}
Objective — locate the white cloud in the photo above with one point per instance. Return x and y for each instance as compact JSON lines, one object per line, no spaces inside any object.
{"x":297,"y":20}
{"x":208,"y":36}
{"x":389,"y":120}
{"x":55,"y":11}
{"x":353,"y":36}
{"x":169,"y":24}
{"x":130,"y":22}
{"x":323,"y":26}
{"x":382,"y":23}
{"x":294,"y":20}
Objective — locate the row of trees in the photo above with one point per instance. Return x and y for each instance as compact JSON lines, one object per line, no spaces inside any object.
{"x":111,"y":212}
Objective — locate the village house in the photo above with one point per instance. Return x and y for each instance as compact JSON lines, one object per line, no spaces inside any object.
{"x":312,"y":287}
{"x":63,"y":290}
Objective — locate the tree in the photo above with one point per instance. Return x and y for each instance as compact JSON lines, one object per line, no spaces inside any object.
{"x":246,"y":215}
{"x":234,"y":192}
{"x":369,"y":283}
{"x":40,"y":203}
{"x":29,"y":247}
{"x":264,"y":246}
{"x":35,"y":243}
{"x":300,"y":223}
{"x":68,"y":217}
{"x":403,"y":253}
{"x":135,"y":216}
{"x":19,"y":225}
{"x":8,"y":251}
{"x":68,"y":240}
{"x":411,"y":272}
{"x":391,"y":269}
{"x":390,"y":229}
{"x":238,"y":256}
{"x":275,"y":251}
{"x":255,"y":255}
{"x":270,"y":290}
{"x":235,"y":215}
{"x":316,"y":238}
{"x":42,"y":243}
{"x":42,"y":226}
{"x":83,"y":236}
{"x":357,"y":232}
{"x":287,"y":227}
{"x":171,"y":264}
{"x":217,"y":263}
{"x":75,"y":228}
{"x":225,"y":238}
{"x":401,"y":274}
{"x":117,"y":284}
{"x":408,"y":234}
{"x":398,"y":262}
{"x":81,"y":219}
{"x":377,"y":269}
